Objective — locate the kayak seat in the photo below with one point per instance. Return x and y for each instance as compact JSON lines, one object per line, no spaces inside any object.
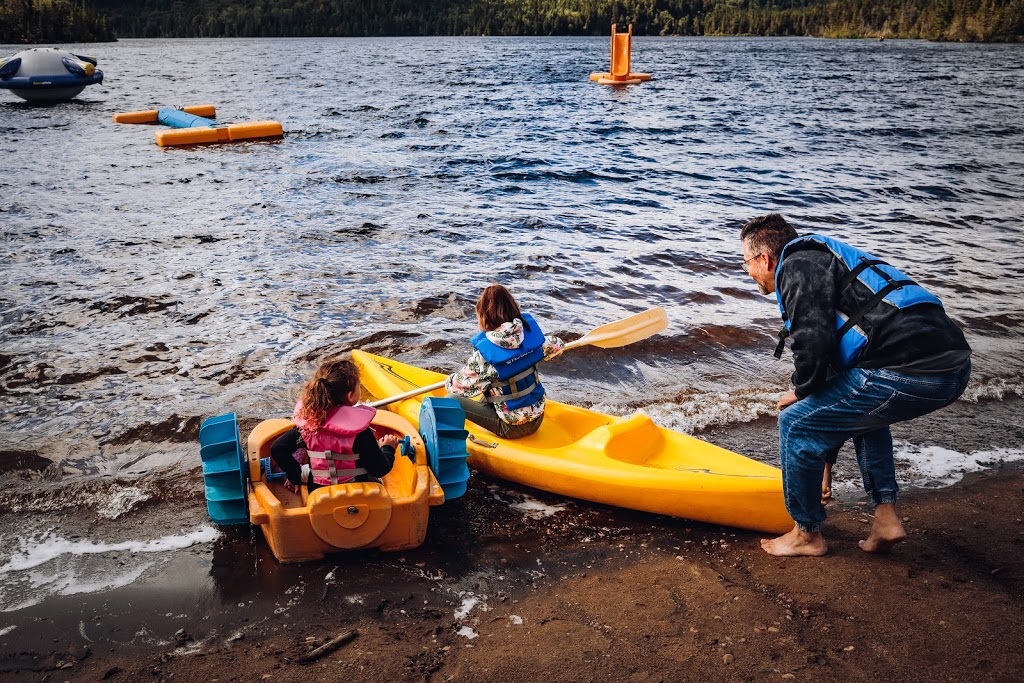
{"x":634,"y":440}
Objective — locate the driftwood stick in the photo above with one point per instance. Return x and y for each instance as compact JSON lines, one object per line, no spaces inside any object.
{"x":327,"y":647}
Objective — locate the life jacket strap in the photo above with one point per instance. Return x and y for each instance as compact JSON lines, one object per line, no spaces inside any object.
{"x":870,"y":305}
{"x":783,"y":333}
{"x":860,"y":268}
{"x":507,"y":390}
{"x":332,"y":470}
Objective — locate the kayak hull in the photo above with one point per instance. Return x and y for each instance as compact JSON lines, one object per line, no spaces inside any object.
{"x":626,"y":462}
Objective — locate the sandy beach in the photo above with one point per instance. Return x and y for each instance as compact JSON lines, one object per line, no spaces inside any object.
{"x":514,"y":584}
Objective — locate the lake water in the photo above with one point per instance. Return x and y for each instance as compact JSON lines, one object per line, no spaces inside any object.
{"x":146,"y":288}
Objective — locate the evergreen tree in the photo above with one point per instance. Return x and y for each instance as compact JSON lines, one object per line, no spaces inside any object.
{"x":78,"y":20}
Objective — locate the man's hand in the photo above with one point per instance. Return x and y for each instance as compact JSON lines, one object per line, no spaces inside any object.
{"x":787,"y":399}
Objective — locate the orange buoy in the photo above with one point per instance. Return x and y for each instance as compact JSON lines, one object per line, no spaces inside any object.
{"x":622,"y":46}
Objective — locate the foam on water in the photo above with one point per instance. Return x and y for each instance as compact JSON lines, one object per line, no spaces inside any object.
{"x":530,"y":507}
{"x":122,"y":501}
{"x":36,"y":551}
{"x":928,"y":466}
{"x":936,"y":466}
{"x":702,"y":410}
{"x":49,"y":565}
{"x":996,"y":389}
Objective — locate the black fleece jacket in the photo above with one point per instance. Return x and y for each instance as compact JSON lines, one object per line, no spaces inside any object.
{"x":919,"y":340}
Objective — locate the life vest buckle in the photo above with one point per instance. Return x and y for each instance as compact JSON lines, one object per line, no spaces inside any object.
{"x":783,"y":333}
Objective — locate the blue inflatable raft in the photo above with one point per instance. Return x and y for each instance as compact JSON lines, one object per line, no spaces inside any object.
{"x":47,"y":75}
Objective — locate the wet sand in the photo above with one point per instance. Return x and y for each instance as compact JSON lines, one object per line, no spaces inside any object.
{"x":590,"y":593}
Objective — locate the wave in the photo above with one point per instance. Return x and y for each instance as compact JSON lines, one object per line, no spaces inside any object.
{"x":934,"y":466}
{"x":47,"y":564}
{"x":38,"y":550}
{"x":995,"y":389}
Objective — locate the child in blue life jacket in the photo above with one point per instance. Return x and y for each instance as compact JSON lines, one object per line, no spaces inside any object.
{"x":503,"y":368}
{"x":333,"y":433}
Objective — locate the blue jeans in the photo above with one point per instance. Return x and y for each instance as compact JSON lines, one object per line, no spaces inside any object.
{"x":857,"y":404}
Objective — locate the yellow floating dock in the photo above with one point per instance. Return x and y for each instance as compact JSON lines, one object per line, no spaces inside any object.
{"x":230,"y":133}
{"x":192,"y":125}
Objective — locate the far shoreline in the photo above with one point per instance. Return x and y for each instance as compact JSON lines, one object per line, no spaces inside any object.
{"x":737,"y":36}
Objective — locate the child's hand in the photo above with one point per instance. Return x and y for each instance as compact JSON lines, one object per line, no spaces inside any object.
{"x":389,"y":440}
{"x":290,"y":486}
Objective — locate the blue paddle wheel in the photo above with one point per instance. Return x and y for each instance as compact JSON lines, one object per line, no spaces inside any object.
{"x":224,"y":470}
{"x":442,"y":426}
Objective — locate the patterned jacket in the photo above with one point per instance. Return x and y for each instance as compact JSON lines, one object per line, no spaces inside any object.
{"x":473,"y":379}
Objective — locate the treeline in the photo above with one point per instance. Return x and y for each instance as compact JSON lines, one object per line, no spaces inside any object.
{"x":971,"y":20}
{"x":52,"y":21}
{"x":952,"y":20}
{"x":958,"y":20}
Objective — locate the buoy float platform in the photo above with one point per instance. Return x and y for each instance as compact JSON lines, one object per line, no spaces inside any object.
{"x":622,"y":46}
{"x":192,"y":127}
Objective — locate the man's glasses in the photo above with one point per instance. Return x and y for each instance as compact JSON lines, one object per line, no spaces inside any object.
{"x":746,"y":267}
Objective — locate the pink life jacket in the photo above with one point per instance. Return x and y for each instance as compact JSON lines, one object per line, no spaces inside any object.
{"x":331,"y":458}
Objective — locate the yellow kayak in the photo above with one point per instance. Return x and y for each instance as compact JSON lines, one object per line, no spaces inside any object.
{"x":627,"y":462}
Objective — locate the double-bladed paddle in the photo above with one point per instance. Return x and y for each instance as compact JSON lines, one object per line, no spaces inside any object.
{"x":610,"y":336}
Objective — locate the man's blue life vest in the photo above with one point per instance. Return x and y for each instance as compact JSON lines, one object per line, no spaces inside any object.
{"x":517,"y":368}
{"x":885,"y":282}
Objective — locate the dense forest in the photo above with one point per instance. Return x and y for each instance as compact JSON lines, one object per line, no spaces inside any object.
{"x":52,"y":21}
{"x":64,"y":20}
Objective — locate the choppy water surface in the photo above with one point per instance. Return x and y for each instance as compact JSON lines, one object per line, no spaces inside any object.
{"x":145,"y":288}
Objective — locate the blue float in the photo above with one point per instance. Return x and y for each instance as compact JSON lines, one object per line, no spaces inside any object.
{"x":176,"y":118}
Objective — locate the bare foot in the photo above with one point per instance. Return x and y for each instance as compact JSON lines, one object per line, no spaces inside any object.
{"x":826,"y":484}
{"x":886,"y":531}
{"x":796,"y":543}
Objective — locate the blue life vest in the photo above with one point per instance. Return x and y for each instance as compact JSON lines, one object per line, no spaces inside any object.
{"x":517,"y":368}
{"x":885,"y":282}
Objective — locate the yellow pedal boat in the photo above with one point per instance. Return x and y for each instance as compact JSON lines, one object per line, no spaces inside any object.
{"x":627,"y":462}
{"x":390,"y":515}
